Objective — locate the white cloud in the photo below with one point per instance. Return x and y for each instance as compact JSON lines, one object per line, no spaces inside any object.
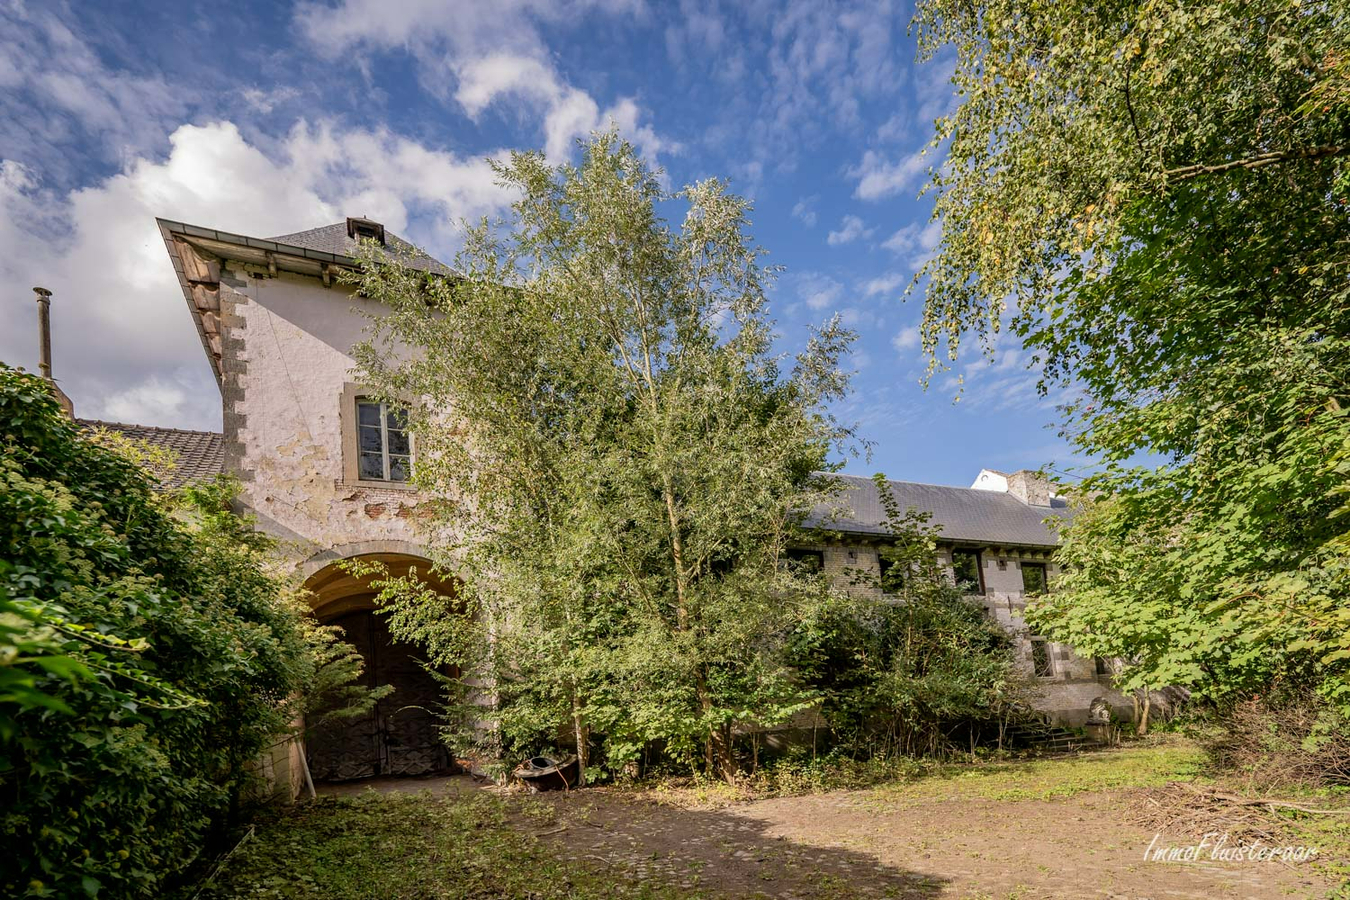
{"x":819,"y":291}
{"x":915,"y":237}
{"x":851,"y":228}
{"x":55,"y":92}
{"x":494,"y":54}
{"x":125,"y":346}
{"x":879,"y":178}
{"x":906,"y":339}
{"x":884,"y":283}
{"x":264,"y":101}
{"x":803,"y":212}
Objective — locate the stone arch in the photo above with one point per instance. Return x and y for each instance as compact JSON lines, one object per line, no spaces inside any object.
{"x":319,"y":560}
{"x":399,"y":736}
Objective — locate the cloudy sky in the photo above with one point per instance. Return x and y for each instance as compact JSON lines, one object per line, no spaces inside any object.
{"x":272,"y":117}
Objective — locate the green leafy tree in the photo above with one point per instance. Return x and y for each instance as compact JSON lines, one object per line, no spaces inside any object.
{"x":618,"y":459}
{"x":1153,"y":198}
{"x":921,"y":669}
{"x":147,"y":659}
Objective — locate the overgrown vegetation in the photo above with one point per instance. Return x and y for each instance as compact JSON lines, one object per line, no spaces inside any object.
{"x":626,"y":463}
{"x":1153,"y":197}
{"x":147,"y":659}
{"x":413,"y":847}
{"x":924,"y":670}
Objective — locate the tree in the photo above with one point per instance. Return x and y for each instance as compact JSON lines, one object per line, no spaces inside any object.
{"x":921,"y":669}
{"x":148,"y":657}
{"x":1153,"y":197}
{"x":617,"y":457}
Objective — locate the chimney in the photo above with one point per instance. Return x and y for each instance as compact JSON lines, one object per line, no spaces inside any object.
{"x":44,"y":302}
{"x":1030,"y":487}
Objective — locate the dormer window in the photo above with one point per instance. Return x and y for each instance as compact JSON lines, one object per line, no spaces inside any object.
{"x":382,"y":441}
{"x":365,"y":229}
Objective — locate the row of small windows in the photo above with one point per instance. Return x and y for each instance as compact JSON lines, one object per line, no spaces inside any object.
{"x":966,"y":566}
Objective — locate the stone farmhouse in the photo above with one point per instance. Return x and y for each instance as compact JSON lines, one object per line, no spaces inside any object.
{"x":325,"y":470}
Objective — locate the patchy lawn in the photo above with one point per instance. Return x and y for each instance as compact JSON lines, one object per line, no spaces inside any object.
{"x":1066,"y":827}
{"x":411,"y":846}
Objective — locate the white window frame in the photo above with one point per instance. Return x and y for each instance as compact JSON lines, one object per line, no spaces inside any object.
{"x":386,"y":457}
{"x":350,"y":417}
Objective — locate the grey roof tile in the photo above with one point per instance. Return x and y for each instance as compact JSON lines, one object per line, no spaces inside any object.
{"x":964,"y":514}
{"x":334,"y":239}
{"x":199,"y":455}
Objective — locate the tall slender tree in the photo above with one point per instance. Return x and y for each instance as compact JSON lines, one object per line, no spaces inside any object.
{"x":618,"y":455}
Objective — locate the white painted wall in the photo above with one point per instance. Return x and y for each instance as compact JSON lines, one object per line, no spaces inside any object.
{"x":294,"y":338}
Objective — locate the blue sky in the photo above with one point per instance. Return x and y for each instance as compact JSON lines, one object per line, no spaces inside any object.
{"x":267,"y":118}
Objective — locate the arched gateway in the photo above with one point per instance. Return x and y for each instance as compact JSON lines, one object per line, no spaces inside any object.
{"x":398,"y":737}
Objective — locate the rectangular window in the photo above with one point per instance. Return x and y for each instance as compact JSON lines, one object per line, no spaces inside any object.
{"x":892,"y":575}
{"x":383,"y":446}
{"x":967,"y":569}
{"x":1041,"y":663}
{"x":1103,"y":665}
{"x":1033,"y":578}
{"x":810,"y":561}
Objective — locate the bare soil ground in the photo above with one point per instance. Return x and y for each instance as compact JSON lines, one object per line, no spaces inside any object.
{"x":1047,"y":829}
{"x":865,"y":844}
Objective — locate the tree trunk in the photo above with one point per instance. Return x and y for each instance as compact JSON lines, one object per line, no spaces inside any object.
{"x":582,"y":735}
{"x":1143,"y":715}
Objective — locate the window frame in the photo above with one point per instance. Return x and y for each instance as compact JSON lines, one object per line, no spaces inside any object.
{"x":979,"y":568}
{"x":798,"y":555}
{"x":384,"y":412}
{"x":1049,"y":658}
{"x":1045,"y":577}
{"x":350,"y":422}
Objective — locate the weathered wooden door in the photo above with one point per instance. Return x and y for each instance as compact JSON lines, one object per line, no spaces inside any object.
{"x":398,"y":737}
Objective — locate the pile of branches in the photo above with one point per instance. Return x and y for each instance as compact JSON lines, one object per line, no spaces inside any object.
{"x":1183,"y":809}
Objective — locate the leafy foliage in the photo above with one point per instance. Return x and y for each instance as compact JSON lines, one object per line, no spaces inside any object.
{"x":416,"y":847}
{"x":921,"y":672}
{"x":1154,"y":198}
{"x":625,"y":461}
{"x":146,"y":659}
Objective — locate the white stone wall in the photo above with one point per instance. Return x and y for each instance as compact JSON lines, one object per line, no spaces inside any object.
{"x":287,"y":355}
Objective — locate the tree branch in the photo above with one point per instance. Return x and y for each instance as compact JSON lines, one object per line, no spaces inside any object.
{"x":1260,"y":161}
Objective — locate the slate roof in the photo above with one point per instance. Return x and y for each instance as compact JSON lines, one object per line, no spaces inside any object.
{"x":334,"y":239}
{"x":199,"y":455}
{"x":965,"y":515}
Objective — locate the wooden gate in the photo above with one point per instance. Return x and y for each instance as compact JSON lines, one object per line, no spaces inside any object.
{"x":398,"y":737}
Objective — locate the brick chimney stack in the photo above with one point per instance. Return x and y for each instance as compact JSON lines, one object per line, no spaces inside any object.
{"x":1029,"y":487}
{"x":44,"y":302}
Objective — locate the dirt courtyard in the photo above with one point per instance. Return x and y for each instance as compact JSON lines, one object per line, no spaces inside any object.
{"x":1053,"y":829}
{"x":845,"y":844}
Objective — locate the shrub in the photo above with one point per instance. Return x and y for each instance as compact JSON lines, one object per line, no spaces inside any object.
{"x":146,"y":659}
{"x":1279,"y":741}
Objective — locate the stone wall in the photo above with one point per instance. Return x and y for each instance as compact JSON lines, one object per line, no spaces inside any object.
{"x":287,"y":358}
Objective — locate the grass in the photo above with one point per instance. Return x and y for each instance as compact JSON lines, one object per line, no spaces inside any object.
{"x":483,"y":845}
{"x":1143,"y":765}
{"x":411,"y":847}
{"x":898,"y":781}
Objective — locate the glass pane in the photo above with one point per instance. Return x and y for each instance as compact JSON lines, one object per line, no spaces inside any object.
{"x":398,"y":468}
{"x":1040,"y":659}
{"x":1033,"y":578}
{"x":396,"y":418}
{"x":398,"y":443}
{"x":368,"y":413}
{"x":966,"y":568}
{"x":370,"y":439}
{"x":372,"y":466}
